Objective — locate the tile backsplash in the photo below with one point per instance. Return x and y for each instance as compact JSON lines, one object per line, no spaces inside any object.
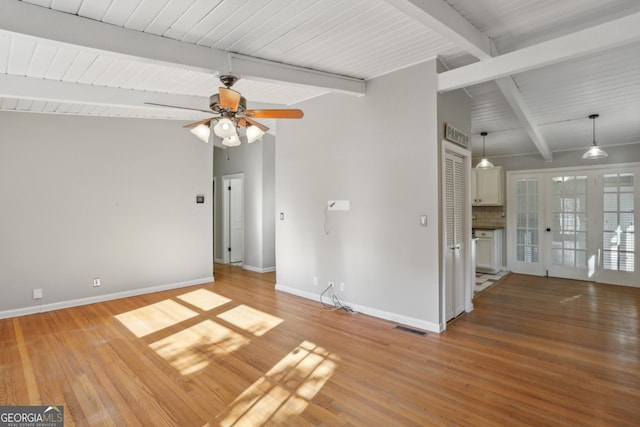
{"x":488,"y":217}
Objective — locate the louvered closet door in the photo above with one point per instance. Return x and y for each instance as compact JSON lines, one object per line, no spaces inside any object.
{"x":454,"y":234}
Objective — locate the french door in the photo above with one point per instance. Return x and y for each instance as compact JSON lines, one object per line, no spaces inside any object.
{"x":566,"y":227}
{"x":576,"y":224}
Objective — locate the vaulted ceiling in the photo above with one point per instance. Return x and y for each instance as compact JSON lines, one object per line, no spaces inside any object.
{"x":535,"y":69}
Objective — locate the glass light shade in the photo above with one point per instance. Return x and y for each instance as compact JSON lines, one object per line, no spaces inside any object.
{"x":224,"y":128}
{"x":484,"y":164}
{"x":202,"y":132}
{"x":254,"y":133}
{"x":232,"y":141}
{"x":594,"y":152}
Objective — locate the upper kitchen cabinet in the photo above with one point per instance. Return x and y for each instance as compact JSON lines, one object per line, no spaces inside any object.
{"x":488,"y":186}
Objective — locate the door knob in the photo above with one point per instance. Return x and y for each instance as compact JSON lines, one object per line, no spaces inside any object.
{"x":548,"y":229}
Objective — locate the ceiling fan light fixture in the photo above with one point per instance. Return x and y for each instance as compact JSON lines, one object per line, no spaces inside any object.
{"x":225,"y":128}
{"x":594,"y":152}
{"x":254,"y":133}
{"x":202,"y":132}
{"x":232,"y":141}
{"x":484,"y":163}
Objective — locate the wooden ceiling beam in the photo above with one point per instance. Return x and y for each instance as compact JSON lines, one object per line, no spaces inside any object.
{"x":22,"y":19}
{"x":443,"y":19}
{"x":610,"y":35}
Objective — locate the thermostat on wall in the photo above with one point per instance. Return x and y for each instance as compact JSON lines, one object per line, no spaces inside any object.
{"x":200,"y":198}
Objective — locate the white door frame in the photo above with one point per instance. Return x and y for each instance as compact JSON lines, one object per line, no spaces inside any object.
{"x":213,"y":218}
{"x":225,"y":215}
{"x":469,"y":275}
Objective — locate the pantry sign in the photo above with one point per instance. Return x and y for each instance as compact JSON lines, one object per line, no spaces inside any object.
{"x":456,"y":136}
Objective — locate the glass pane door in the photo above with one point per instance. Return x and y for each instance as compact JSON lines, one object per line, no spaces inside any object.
{"x":568,"y":231}
{"x":525,"y":225}
{"x":618,"y":256}
{"x":618,"y":245}
{"x":527,"y":244}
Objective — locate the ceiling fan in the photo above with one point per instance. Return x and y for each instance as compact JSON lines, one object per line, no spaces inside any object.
{"x":232,"y":115}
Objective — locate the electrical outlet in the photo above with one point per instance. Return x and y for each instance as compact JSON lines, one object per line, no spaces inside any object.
{"x":331,"y":284}
{"x":96,"y":282}
{"x":315,"y":280}
{"x":37,"y":294}
{"x":343,"y":287}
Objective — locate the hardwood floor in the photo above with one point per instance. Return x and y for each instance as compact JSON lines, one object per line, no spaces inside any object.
{"x":535,"y":351}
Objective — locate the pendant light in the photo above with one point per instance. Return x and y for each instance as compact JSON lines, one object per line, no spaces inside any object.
{"x":484,"y":163}
{"x":594,"y":152}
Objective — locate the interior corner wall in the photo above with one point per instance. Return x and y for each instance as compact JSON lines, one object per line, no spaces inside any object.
{"x":87,"y":197}
{"x":380,"y":152}
{"x":256,"y":162}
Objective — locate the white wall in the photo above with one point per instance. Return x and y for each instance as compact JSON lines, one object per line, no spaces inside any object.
{"x":380,"y":152}
{"x":85,"y":197}
{"x":256,"y":162}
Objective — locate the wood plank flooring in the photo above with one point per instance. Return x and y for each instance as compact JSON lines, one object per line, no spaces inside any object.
{"x":536,"y":351}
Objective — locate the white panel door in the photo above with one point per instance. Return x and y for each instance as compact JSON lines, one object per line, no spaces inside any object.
{"x":236,"y":226}
{"x":233,"y":218}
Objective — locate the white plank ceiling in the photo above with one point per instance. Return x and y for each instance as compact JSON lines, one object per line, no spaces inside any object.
{"x":108,"y":57}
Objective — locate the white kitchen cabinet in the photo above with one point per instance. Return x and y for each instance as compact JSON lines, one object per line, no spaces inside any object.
{"x":487,"y":186}
{"x":489,"y":250}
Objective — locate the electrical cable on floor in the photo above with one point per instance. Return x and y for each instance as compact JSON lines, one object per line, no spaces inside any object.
{"x":337,"y":304}
{"x":326,"y":218}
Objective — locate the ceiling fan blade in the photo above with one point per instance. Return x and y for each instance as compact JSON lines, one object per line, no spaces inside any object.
{"x":229,"y":98}
{"x":274,"y":114}
{"x":201,"y":122}
{"x":175,"y":106}
{"x":260,"y":126}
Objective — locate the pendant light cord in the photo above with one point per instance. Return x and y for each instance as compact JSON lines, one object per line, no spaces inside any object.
{"x":483,"y":135}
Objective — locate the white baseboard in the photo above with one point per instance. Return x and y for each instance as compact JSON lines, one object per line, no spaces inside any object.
{"x":100,"y":298}
{"x":219,"y":260}
{"x":258,"y":269}
{"x":382,"y":314}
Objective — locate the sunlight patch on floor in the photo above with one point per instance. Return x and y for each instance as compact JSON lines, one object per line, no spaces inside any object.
{"x":203,"y":299}
{"x":284,"y":391}
{"x":152,"y":318}
{"x":189,"y":350}
{"x":251,"y":320}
